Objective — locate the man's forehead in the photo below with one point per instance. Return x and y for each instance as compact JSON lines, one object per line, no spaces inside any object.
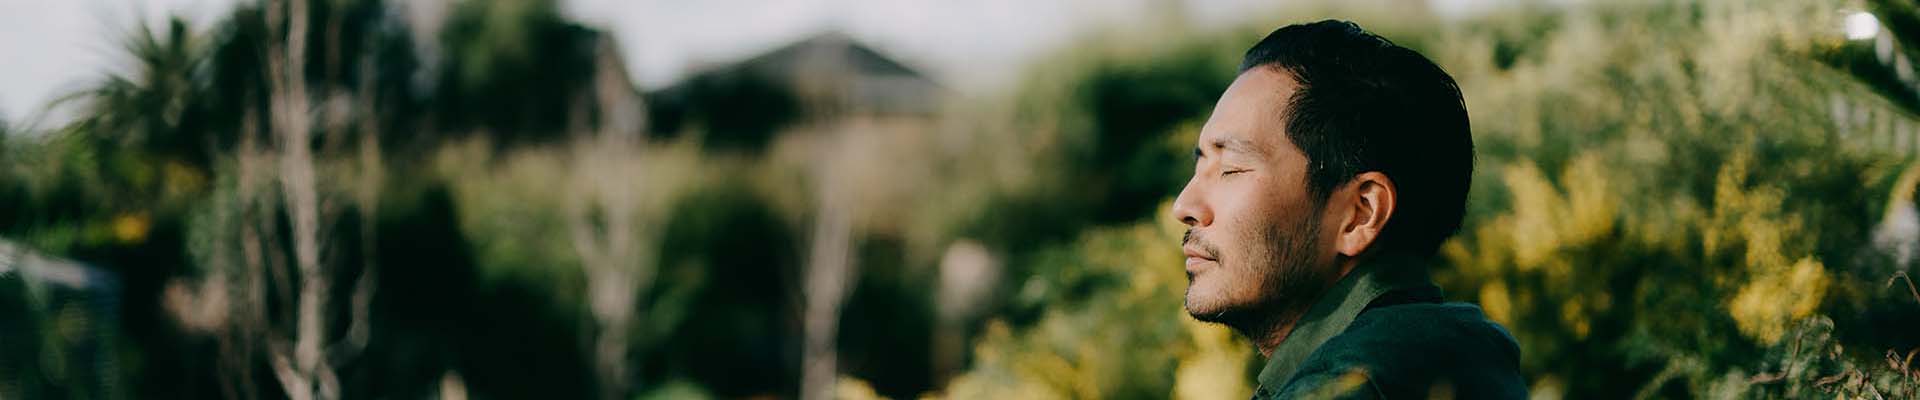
{"x":1249,"y":116}
{"x":1262,"y":84}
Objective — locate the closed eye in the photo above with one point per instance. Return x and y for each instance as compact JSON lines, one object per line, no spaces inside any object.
{"x":1233,"y":171}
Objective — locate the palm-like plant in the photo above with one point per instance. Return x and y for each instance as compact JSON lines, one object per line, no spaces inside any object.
{"x":1878,"y":51}
{"x":1884,"y":59}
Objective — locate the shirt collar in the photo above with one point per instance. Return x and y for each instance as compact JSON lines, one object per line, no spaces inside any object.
{"x":1336,"y":308}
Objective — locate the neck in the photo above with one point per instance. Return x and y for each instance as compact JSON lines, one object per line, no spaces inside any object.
{"x":1267,"y":335}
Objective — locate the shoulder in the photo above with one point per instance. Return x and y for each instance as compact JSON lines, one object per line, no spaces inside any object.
{"x":1449,"y":328}
{"x":1411,"y":350}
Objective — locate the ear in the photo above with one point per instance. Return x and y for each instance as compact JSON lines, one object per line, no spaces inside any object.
{"x":1371,"y":198}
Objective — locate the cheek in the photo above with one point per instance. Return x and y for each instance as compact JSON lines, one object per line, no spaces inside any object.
{"x":1238,"y":204}
{"x":1241,"y":212}
{"x":1246,"y":224}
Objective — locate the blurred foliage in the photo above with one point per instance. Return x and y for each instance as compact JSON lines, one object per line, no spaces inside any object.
{"x":1759,"y":218}
{"x":1109,"y":326}
{"x":512,"y":71}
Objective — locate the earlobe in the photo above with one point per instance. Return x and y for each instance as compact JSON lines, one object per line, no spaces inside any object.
{"x":1373,"y":198}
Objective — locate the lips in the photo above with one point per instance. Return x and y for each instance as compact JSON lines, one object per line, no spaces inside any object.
{"x":1196,"y":255}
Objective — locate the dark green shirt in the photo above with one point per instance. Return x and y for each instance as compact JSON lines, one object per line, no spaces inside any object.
{"x":1383,"y":332}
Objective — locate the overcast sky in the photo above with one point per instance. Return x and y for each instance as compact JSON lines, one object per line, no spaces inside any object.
{"x":57,"y":46}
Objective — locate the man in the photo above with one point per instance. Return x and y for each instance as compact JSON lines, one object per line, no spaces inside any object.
{"x":1327,"y":177}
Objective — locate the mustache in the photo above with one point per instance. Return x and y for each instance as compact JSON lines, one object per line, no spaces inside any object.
{"x":1206,"y":247}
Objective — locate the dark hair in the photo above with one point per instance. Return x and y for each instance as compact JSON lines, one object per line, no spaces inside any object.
{"x":1366,"y":104}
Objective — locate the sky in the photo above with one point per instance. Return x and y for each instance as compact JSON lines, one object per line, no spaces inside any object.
{"x":60,"y":46}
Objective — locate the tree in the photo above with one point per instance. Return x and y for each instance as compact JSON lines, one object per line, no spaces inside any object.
{"x":274,"y":297}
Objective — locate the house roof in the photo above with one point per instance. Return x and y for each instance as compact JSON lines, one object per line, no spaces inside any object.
{"x":831,"y":68}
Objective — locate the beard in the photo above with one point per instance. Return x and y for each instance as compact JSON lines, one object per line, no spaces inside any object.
{"x":1274,"y":277}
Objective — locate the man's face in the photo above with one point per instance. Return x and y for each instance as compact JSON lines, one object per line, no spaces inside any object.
{"x":1254,"y":242}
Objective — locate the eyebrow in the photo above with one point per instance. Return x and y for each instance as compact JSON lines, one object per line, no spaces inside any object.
{"x":1236,"y":145}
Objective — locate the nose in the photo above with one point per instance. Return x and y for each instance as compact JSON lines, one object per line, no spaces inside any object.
{"x":1191,"y":209}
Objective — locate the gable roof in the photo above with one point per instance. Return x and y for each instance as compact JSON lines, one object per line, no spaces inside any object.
{"x":830,"y":69}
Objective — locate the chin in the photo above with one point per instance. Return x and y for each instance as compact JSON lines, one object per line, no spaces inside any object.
{"x":1210,"y":314}
{"x":1203,"y":303}
{"x":1204,"y":316}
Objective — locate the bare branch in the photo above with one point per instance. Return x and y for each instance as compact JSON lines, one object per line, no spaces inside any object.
{"x":1902,"y":275}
